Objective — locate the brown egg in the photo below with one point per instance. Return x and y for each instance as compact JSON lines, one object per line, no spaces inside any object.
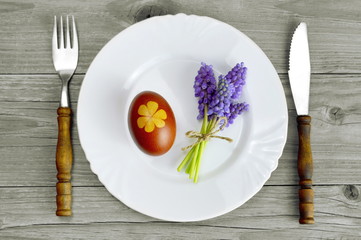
{"x":152,"y":123}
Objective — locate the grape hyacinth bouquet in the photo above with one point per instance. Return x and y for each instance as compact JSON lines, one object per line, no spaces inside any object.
{"x":218,"y":106}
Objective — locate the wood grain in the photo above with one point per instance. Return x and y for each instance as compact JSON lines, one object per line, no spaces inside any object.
{"x":29,"y":214}
{"x":305,"y":170}
{"x":334,"y":106}
{"x":39,"y":168}
{"x":28,"y":131}
{"x":133,"y":230}
{"x":64,"y":162}
{"x":334,"y":29}
{"x":328,"y":92}
{"x":338,"y":165}
{"x":30,"y":90}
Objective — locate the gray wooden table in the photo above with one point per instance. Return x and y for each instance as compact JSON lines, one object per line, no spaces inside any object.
{"x":29,"y":93}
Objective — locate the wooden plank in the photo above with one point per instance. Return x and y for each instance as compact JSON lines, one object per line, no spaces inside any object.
{"x":30,"y":115}
{"x":35,"y":166}
{"x":28,"y":130}
{"x":36,"y":88}
{"x":334,"y":29}
{"x":30,"y":123}
{"x":168,"y":231}
{"x":28,"y":150}
{"x":29,"y":92}
{"x":327,"y":90}
{"x":28,"y":213}
{"x":335,"y":121}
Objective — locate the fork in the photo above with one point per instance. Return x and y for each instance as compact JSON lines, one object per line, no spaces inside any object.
{"x":65,"y":59}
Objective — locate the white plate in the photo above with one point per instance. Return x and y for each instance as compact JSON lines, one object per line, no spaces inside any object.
{"x":163,"y":54}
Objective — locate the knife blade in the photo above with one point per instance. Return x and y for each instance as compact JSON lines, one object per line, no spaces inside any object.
{"x":300,"y":69}
{"x":300,"y":75}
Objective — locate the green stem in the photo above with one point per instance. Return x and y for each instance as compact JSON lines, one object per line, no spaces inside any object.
{"x":186,"y":159}
{"x":194,"y":160}
{"x":190,"y":156}
{"x":199,"y":158}
{"x":205,"y":120}
{"x":211,"y":124}
{"x":188,"y":168}
{"x":214,"y":124}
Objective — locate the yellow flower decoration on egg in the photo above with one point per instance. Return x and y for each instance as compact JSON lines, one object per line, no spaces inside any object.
{"x":150,"y":117}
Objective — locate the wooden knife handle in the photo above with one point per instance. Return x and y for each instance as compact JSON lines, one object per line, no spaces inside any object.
{"x":64,"y":161}
{"x":305,"y":170}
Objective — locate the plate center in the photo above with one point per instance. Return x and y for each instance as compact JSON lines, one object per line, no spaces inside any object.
{"x":173,"y":79}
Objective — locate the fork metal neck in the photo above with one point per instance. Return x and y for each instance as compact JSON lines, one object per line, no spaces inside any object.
{"x":64,"y":97}
{"x":65,"y":77}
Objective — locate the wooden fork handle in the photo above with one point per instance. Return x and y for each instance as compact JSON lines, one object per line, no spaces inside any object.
{"x":64,"y":161}
{"x":305,"y":170}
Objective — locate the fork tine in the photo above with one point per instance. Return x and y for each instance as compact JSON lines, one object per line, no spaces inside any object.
{"x":67,"y":33}
{"x":61,"y":41}
{"x":75,"y":36}
{"x":55,"y":35}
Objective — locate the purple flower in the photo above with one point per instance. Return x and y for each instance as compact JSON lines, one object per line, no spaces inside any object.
{"x":204,"y":87}
{"x":237,"y":77}
{"x":221,"y":101}
{"x":235,"y":110}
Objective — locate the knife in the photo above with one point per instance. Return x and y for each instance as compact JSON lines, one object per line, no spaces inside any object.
{"x":300,"y":74}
